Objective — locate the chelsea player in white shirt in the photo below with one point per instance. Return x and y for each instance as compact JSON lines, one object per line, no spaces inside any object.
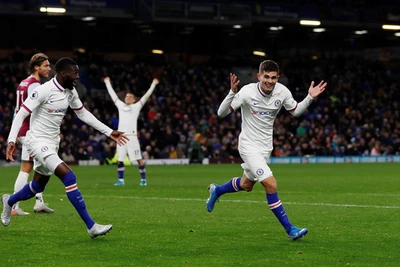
{"x":47,"y":106}
{"x":128,"y":112}
{"x":260,"y":103}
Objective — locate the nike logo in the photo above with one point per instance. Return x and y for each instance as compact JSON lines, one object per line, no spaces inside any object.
{"x":57,"y":100}
{"x":255,"y":104}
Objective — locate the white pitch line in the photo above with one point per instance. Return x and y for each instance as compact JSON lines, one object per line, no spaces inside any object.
{"x":347,"y":194}
{"x":242,"y":201}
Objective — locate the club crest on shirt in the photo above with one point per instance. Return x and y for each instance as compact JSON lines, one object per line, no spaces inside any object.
{"x":34,"y":95}
{"x":260,"y":172}
{"x":44,"y":149}
{"x":277,"y":103}
{"x":69,"y":98}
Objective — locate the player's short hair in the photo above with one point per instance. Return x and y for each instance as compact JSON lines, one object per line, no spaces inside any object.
{"x":37,"y":60}
{"x":63,"y":63}
{"x":268,"y":65}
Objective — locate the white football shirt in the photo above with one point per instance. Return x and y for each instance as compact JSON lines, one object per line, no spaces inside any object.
{"x":259,"y":111}
{"x":48,"y":104}
{"x":128,"y":114}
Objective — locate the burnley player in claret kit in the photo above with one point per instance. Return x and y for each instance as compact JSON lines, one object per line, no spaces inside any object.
{"x":39,"y":67}
{"x":47,"y":105}
{"x":260,"y":104}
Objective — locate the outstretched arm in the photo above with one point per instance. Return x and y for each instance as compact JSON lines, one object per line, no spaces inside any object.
{"x":91,"y":120}
{"x":225,"y":107}
{"x":313,"y":92}
{"x":110,"y":90}
{"x":146,"y":96}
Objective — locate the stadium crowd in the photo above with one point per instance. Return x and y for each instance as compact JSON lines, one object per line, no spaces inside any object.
{"x":359,"y":114}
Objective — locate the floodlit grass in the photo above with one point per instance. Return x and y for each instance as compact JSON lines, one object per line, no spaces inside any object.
{"x":352,"y":212}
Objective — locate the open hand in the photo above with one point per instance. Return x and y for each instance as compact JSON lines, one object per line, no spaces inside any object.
{"x":315,"y":91}
{"x":10,"y":151}
{"x":234,"y":83}
{"x":119,"y":137}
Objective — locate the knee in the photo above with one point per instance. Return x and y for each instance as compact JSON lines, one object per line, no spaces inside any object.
{"x":270,"y":185}
{"x":247,"y":187}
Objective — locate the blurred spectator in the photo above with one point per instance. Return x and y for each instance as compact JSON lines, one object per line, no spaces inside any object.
{"x":67,"y":156}
{"x":81,"y":154}
{"x":359,"y":115}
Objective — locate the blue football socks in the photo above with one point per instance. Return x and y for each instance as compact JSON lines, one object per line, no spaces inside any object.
{"x":232,"y":186}
{"x":76,"y":199}
{"x":275,"y":204}
{"x":121,"y":170}
{"x":142,"y":171}
{"x":27,"y":192}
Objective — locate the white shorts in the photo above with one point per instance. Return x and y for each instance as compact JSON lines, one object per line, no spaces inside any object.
{"x":131,"y":148}
{"x":24,"y":153}
{"x":41,"y":151}
{"x":255,"y":166}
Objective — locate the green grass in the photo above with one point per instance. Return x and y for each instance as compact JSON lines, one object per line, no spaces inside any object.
{"x":352,"y":212}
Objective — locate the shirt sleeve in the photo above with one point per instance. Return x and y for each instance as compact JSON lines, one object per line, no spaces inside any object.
{"x":32,"y":87}
{"x":240,"y":99}
{"x":225,"y":106}
{"x":91,"y":120}
{"x":146,"y":96}
{"x":36,"y":98}
{"x":113,"y":95}
{"x":86,"y":116}
{"x":16,"y":125}
{"x":75,"y":103}
{"x":302,"y":106}
{"x":289,"y":103}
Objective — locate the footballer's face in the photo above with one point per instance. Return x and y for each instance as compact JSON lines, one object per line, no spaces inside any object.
{"x":44,"y":69}
{"x":70,"y":76}
{"x":129,"y":99}
{"x":268,"y":80}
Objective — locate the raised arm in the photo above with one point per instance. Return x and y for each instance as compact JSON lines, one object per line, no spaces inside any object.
{"x":110,"y":90}
{"x":313,"y":92}
{"x":146,"y":96}
{"x":225,"y":107}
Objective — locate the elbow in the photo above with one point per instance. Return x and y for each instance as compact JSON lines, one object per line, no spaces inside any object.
{"x":222,"y":113}
{"x":296,"y":114}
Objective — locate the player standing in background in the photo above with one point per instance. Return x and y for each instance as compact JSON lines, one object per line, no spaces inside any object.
{"x":39,"y":67}
{"x":260,"y":103}
{"x":128,"y":113}
{"x":48,"y":104}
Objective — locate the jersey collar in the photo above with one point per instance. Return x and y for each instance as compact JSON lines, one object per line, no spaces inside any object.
{"x":260,"y":91}
{"x":59,"y":87}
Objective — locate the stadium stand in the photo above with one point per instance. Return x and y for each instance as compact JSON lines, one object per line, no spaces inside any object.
{"x":358,"y":115}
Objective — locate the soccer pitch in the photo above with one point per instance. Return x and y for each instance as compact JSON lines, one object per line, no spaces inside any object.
{"x":352,"y":212}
